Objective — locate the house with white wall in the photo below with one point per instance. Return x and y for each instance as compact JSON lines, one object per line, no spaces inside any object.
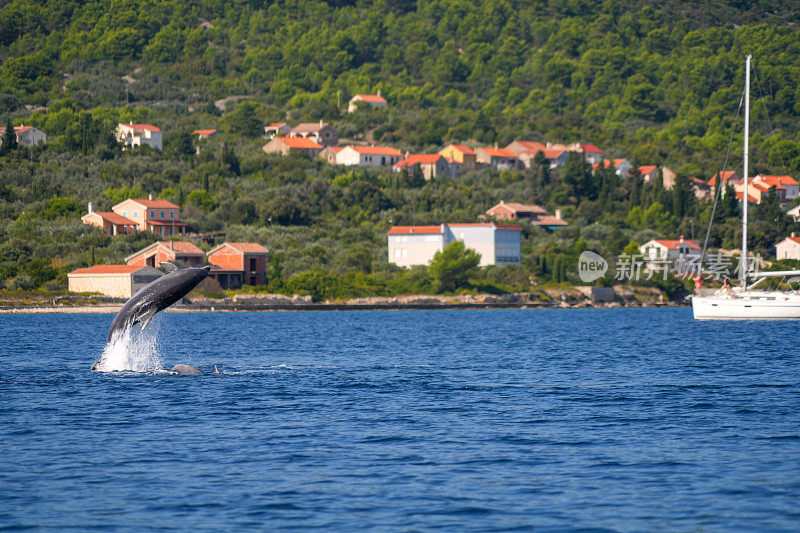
{"x":788,"y":248}
{"x":498,"y":244}
{"x":133,"y":135}
{"x":658,"y":252}
{"x":370,"y":101}
{"x":368,"y":156}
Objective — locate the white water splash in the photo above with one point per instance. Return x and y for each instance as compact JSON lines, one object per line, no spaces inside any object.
{"x":134,"y":351}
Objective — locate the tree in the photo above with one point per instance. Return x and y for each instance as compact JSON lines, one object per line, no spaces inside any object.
{"x":9,"y":139}
{"x":452,"y":267}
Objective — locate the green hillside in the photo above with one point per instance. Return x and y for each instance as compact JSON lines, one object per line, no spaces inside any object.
{"x":657,"y":83}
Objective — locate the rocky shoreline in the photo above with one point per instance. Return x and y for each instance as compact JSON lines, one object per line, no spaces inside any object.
{"x":572,"y":298}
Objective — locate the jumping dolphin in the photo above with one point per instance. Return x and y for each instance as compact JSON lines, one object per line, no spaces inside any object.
{"x":157,"y":296}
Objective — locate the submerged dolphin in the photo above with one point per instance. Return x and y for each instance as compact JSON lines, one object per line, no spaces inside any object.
{"x":186,"y":369}
{"x":157,"y":296}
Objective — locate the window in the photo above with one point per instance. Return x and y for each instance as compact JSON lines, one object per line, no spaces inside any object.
{"x":172,"y":214}
{"x":152,"y":214}
{"x":397,"y":253}
{"x":405,"y":252}
{"x":136,"y":214}
{"x":162,"y":214}
{"x":125,"y":213}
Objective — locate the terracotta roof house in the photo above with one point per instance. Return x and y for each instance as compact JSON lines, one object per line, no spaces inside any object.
{"x":26,"y":135}
{"x":621,"y":166}
{"x":730,"y":175}
{"x":176,"y":252}
{"x":788,"y":248}
{"x":239,"y":263}
{"x":591,"y":153}
{"x":205,"y":134}
{"x":462,"y":155}
{"x":321,"y":133}
{"x":649,"y":173}
{"x":533,"y":214}
{"x":788,"y":183}
{"x":119,"y":281}
{"x":700,"y":188}
{"x":368,"y":156}
{"x":111,"y":223}
{"x":526,"y":147}
{"x":159,"y":216}
{"x":329,"y":154}
{"x":664,"y":254}
{"x":498,"y":244}
{"x":276,"y":129}
{"x":431,"y":165}
{"x":293,"y":145}
{"x":498,"y":158}
{"x":373,"y":101}
{"x":132,"y":135}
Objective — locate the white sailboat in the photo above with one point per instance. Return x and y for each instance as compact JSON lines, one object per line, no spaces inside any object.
{"x":746,"y":302}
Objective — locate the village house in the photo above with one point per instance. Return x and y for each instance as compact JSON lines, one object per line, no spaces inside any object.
{"x":329,"y":154}
{"x":26,"y":135}
{"x":788,"y":248}
{"x":729,"y":175}
{"x":498,"y":158}
{"x":556,"y":157}
{"x":668,"y":177}
{"x":700,"y":188}
{"x":321,"y":133}
{"x":158,"y":216}
{"x":498,"y":244}
{"x":182,"y":253}
{"x":431,"y":165}
{"x":133,"y":135}
{"x":118,"y":281}
{"x":205,"y":134}
{"x":276,"y":129}
{"x":293,"y":145}
{"x":794,"y":213}
{"x":238,"y":263}
{"x":661,"y":254}
{"x":372,"y":101}
{"x":789,"y":185}
{"x":621,"y":166}
{"x":110,"y":222}
{"x":368,"y":156}
{"x":649,"y":173}
{"x":462,"y":155}
{"x":533,"y":214}
{"x":591,"y":153}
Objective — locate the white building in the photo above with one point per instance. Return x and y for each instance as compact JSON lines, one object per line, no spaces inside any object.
{"x":374,"y":101}
{"x":26,"y":135}
{"x":120,"y":281}
{"x":416,"y":245}
{"x":368,"y":156}
{"x":134,"y":135}
{"x":669,"y":252}
{"x":788,"y":248}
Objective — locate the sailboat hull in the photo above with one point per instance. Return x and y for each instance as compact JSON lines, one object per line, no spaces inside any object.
{"x":759,"y":306}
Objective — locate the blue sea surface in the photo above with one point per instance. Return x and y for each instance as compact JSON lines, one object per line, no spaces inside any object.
{"x":553,"y":420}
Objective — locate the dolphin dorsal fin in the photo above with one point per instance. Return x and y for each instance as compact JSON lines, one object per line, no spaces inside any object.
{"x":169,"y":267}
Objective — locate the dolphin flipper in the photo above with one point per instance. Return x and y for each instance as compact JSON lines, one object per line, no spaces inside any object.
{"x":147,"y":317}
{"x":169,"y":267}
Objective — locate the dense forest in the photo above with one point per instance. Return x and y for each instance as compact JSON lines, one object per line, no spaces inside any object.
{"x":657,"y":83}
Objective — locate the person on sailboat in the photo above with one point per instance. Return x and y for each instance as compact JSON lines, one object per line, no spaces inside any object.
{"x":698,"y":283}
{"x":726,"y":286}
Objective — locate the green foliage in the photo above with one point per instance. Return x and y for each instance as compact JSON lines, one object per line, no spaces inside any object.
{"x":452,"y":267}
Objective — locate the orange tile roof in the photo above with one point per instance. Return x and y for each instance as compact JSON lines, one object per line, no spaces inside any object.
{"x":148,"y":127}
{"x":107,"y":269}
{"x":247,"y":247}
{"x":728,"y":175}
{"x":553,"y":153}
{"x":499,"y":152}
{"x":591,"y":148}
{"x":181,"y":247}
{"x":204,"y":132}
{"x":299,"y":142}
{"x":674,"y":243}
{"x":521,"y":208}
{"x":548,"y":220}
{"x":113,"y":217}
{"x":464,"y":149}
{"x":276,"y":125}
{"x":532,"y":147}
{"x":422,"y":159}
{"x":415,"y":230}
{"x":646,"y":169}
{"x":778,"y":180}
{"x":371,"y":98}
{"x":377,"y":150}
{"x":793,"y":239}
{"x":750,"y":198}
{"x":155,"y":204}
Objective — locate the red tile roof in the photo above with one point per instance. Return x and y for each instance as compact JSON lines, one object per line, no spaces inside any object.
{"x":299,"y":142}
{"x":204,"y":132}
{"x":243,"y":247}
{"x":371,"y":98}
{"x":181,"y":247}
{"x":147,"y":127}
{"x":415,"y":230}
{"x":112,"y":217}
{"x":778,"y":180}
{"x":672,"y":244}
{"x":421,"y":159}
{"x":107,"y":269}
{"x":377,"y":150}
{"x":553,"y":153}
{"x":750,"y":198}
{"x":155,"y":204}
{"x":793,"y":239}
{"x":17,"y":129}
{"x":591,"y":148}
{"x":728,"y":175}
{"x":499,"y":152}
{"x":646,"y":169}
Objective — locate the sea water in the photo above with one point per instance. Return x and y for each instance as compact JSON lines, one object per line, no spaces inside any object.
{"x":555,"y":420}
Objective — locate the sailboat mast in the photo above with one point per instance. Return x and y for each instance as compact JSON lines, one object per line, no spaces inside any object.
{"x":743,"y":261}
